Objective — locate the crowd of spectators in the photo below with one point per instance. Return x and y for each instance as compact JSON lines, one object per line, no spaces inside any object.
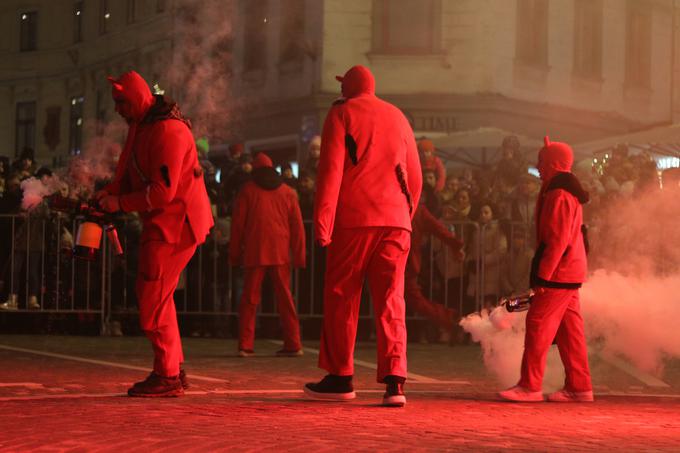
{"x":490,"y":208}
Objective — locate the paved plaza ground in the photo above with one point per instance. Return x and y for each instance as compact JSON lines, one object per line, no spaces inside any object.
{"x":62,"y":393}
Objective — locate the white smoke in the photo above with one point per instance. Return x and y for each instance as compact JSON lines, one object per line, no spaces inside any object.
{"x":630,"y":304}
{"x":35,"y":190}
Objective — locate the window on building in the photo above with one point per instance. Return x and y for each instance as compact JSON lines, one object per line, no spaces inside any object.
{"x":78,"y":22}
{"x":532,"y":32}
{"x":76,"y":125}
{"x":292,"y":37}
{"x":29,"y":31}
{"x":160,"y":6}
{"x":638,"y":45}
{"x":588,"y":38}
{"x":131,"y":11}
{"x":25,"y":127}
{"x":104,"y":16}
{"x":407,"y":26}
{"x":255,"y":36}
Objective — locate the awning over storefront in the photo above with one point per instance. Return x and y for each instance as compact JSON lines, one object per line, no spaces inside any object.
{"x":663,"y":140}
{"x":480,"y":147}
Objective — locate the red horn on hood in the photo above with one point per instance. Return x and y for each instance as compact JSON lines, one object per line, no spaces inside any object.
{"x":546,"y":141}
{"x":116,"y":85}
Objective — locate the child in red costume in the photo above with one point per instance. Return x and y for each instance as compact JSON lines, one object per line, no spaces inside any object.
{"x":159,"y":176}
{"x":558,"y":269}
{"x":266,"y":226}
{"x":432,"y":162}
{"x":369,"y":185}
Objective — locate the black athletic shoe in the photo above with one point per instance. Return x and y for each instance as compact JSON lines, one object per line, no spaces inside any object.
{"x":183,"y":379}
{"x":394,"y":392}
{"x":156,"y":386}
{"x":331,"y":388}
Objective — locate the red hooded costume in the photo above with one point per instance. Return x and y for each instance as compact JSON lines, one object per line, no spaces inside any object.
{"x":158,"y":175}
{"x":368,"y":187}
{"x":424,"y":224}
{"x":558,"y":270}
{"x":266,"y":226}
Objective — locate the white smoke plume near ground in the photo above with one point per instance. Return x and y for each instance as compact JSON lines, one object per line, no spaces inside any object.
{"x":630,"y":304}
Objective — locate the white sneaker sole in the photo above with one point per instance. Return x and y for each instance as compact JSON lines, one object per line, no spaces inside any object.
{"x":329,"y":396}
{"x":394,"y":401}
{"x":522,"y":398}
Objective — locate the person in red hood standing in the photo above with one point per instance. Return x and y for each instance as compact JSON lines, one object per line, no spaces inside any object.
{"x":368,"y":188}
{"x":558,"y":269}
{"x":424,"y":224}
{"x":159,"y":176}
{"x":266,"y":226}
{"x":432,"y":162}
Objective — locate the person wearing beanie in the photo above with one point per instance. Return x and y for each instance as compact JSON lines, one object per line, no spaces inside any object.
{"x":431,"y":162}
{"x":159,"y":176}
{"x":266,"y":226}
{"x":368,"y":188}
{"x":558,"y":269}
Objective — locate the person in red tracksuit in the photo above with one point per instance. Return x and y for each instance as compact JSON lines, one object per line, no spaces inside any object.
{"x":425,"y":223}
{"x":159,"y":176}
{"x":558,"y":269}
{"x":368,"y":187}
{"x":266,"y":225}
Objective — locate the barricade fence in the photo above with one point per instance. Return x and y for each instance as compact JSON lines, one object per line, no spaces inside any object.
{"x":39,"y":273}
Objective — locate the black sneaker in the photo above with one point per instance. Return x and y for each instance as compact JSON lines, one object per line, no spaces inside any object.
{"x":331,"y":388}
{"x":394,"y":392}
{"x":157,"y":386}
{"x":183,"y":379}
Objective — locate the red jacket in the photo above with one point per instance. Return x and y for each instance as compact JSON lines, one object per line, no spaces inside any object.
{"x":266,"y":223}
{"x":424,"y":223}
{"x":159,"y":175}
{"x":560,"y":260}
{"x":369,"y":172}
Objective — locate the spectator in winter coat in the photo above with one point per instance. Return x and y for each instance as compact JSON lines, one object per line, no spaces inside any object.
{"x":266,"y":226}
{"x":516,"y":266}
{"x":313,"y":153}
{"x":288,"y":177}
{"x":306,"y":192}
{"x":431,"y":162}
{"x":489,"y":246}
{"x":557,"y":272}
{"x":368,"y":188}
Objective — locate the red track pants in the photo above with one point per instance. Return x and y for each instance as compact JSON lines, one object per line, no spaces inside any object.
{"x":555,"y":315}
{"x":252,"y":290}
{"x":378,"y":253}
{"x":160,"y":265}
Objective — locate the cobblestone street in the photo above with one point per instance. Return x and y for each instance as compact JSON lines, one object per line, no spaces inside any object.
{"x":67,"y":394}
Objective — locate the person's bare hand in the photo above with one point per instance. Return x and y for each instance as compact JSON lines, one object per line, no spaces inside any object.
{"x":110,"y":203}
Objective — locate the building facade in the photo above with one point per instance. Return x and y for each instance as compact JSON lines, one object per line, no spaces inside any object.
{"x":576,"y":69}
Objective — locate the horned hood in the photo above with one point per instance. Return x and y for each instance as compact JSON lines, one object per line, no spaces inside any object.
{"x":135,"y":90}
{"x":557,"y":157}
{"x":356,"y":81}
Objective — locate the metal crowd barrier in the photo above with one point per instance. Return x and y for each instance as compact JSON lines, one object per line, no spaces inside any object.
{"x":34,"y":261}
